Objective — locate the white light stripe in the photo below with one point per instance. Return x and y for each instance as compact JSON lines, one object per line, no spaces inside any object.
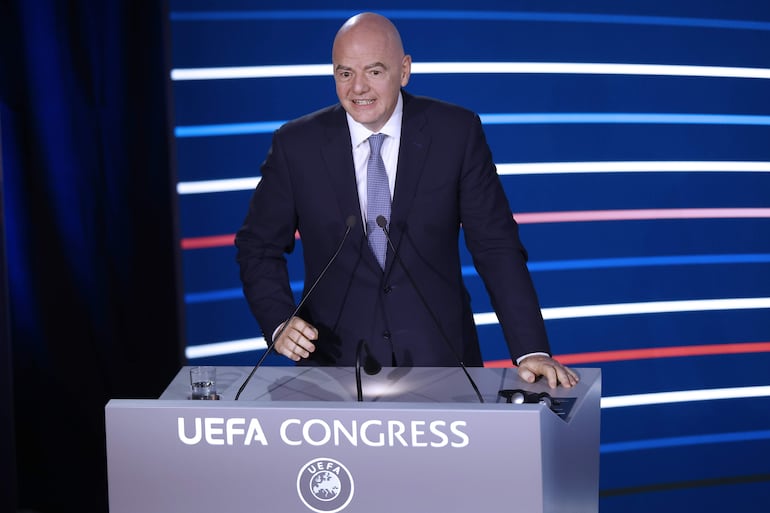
{"x":585,"y":68}
{"x":569,"y":312}
{"x":227,"y":185}
{"x":541,"y":168}
{"x":699,"y":305}
{"x":229,"y":347}
{"x":622,"y":401}
{"x":589,"y":68}
{"x":298,"y":70}
{"x":531,"y":168}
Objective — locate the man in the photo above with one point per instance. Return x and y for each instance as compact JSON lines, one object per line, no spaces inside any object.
{"x":411,"y":306}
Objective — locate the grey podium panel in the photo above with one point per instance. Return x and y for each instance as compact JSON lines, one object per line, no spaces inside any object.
{"x":298,"y":441}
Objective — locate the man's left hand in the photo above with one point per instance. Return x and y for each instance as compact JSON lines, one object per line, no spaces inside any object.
{"x":532,"y":367}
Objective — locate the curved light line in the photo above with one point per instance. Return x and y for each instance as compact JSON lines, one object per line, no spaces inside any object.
{"x":571,"y":312}
{"x":516,"y":119}
{"x":577,"y":216}
{"x":679,"y":441}
{"x":647,"y":307}
{"x":472,"y":68}
{"x":536,"y":118}
{"x":653,"y":353}
{"x":212,"y":241}
{"x":635,"y":166}
{"x":258,"y":343}
{"x":650,"y":353}
{"x":533,"y":168}
{"x":588,"y":68}
{"x":464,"y":15}
{"x":224,"y":348}
{"x":226,"y":185}
{"x":267,"y":127}
{"x":469,"y":271}
{"x":649,"y":261}
{"x":684,"y":396}
{"x":566,"y":217}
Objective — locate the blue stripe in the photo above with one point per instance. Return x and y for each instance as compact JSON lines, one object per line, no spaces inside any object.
{"x":625,"y":117}
{"x":556,"y":17}
{"x":680,"y":441}
{"x":228,"y":294}
{"x":215,"y":295}
{"x":605,"y":263}
{"x":511,"y":119}
{"x":556,"y":265}
{"x":266,"y":127}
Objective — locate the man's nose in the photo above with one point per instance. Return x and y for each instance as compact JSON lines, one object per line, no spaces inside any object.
{"x":360,"y":84}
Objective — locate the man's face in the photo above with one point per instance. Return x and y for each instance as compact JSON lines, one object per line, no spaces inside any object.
{"x":369,"y":71}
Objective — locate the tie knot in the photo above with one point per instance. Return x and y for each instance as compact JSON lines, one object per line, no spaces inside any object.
{"x":375,"y":143}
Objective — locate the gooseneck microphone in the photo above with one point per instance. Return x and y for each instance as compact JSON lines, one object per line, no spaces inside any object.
{"x":383,"y":223}
{"x":350,"y":222}
{"x":371,"y":366}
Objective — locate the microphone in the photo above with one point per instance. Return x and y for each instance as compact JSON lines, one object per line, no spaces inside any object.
{"x":350,"y":222}
{"x":371,"y":366}
{"x":383,"y":223}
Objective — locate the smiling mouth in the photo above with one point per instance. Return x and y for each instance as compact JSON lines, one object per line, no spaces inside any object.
{"x":363,"y":102}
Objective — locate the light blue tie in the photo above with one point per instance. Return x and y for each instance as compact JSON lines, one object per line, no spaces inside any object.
{"x":377,"y":199}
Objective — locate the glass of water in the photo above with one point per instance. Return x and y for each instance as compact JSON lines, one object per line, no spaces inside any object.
{"x":203,"y":380}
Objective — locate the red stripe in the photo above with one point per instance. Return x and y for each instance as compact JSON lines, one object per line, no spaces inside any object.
{"x":212,"y":241}
{"x":563,"y":217}
{"x":577,"y":216}
{"x":654,"y":352}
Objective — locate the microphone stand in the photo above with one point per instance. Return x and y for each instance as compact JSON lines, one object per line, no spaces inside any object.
{"x":383,"y":223}
{"x":359,"y":391}
{"x":371,"y":367}
{"x":350,"y":223}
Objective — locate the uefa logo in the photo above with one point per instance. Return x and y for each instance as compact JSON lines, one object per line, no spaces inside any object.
{"x":325,"y":485}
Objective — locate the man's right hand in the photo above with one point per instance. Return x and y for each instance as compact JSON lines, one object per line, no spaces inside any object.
{"x":296,"y":341}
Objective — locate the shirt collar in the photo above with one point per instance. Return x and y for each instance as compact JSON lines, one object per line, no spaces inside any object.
{"x":359,"y":133}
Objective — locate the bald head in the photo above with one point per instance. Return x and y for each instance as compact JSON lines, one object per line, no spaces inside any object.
{"x":370,"y":68}
{"x":374,"y":24}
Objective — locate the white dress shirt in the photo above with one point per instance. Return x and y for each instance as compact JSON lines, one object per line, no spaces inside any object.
{"x":359,"y":136}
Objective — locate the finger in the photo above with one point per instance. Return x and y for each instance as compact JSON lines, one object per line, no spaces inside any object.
{"x":286,"y":345}
{"x":304,"y":341}
{"x":302,"y":329}
{"x":526,"y":374}
{"x":566,"y":378}
{"x":289,"y":349}
{"x":294,"y":343}
{"x":299,"y":351}
{"x":551,"y":375}
{"x":309,"y":332}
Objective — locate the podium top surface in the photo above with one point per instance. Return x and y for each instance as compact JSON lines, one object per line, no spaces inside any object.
{"x":392,"y":384}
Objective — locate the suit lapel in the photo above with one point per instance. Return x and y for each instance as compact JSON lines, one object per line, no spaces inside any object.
{"x":411,"y":162}
{"x":338,"y":161}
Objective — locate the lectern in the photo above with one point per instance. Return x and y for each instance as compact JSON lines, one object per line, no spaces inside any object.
{"x":298,"y":440}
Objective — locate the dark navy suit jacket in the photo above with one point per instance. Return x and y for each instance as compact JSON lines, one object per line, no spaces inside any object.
{"x":417,"y":311}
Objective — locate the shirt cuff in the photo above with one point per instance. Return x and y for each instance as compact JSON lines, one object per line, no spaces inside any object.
{"x":520,"y":358}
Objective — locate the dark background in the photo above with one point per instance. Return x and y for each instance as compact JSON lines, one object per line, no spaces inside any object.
{"x":89,"y":239}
